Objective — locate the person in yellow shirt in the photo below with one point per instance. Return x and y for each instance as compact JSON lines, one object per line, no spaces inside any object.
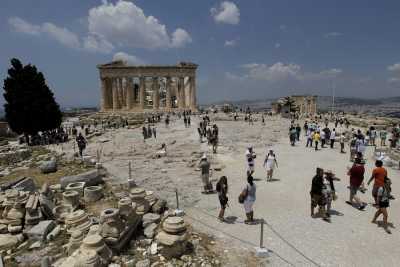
{"x":316,"y":139}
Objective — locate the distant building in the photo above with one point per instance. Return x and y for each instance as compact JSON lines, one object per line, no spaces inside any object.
{"x":300,"y":104}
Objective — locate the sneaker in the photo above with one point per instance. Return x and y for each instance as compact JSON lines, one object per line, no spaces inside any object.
{"x":362,"y":207}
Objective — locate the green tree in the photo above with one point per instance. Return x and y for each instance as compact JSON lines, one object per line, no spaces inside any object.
{"x":30,"y":106}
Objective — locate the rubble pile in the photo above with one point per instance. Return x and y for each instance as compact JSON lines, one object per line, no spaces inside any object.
{"x":137,"y":227}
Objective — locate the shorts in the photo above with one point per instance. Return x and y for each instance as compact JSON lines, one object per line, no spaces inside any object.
{"x":223,"y":200}
{"x":317,"y":200}
{"x":250,"y":168}
{"x":375,"y":192}
{"x":248,"y":206}
{"x":383,"y":204}
{"x":353,"y":190}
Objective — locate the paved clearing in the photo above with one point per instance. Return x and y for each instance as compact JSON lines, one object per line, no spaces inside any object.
{"x":294,"y":238}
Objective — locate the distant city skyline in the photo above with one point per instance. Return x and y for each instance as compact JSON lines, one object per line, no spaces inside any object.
{"x":245,"y":49}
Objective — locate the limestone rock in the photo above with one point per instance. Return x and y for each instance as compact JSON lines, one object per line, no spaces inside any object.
{"x":26,"y":184}
{"x":150,"y":218}
{"x":93,"y":177}
{"x":150,"y":229}
{"x":143,"y":263}
{"x":159,"y":206}
{"x":48,"y":166}
{"x":40,"y":231}
{"x":8,"y":241}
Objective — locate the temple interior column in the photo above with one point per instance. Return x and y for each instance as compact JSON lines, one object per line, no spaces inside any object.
{"x":156,"y":93}
{"x":168,"y":93}
{"x":114,"y":93}
{"x":142,"y":93}
{"x":129,"y":93}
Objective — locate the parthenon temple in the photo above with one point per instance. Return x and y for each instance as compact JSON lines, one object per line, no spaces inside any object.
{"x":147,"y":88}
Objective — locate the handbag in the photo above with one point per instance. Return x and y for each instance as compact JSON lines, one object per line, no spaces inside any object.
{"x":243,"y":195}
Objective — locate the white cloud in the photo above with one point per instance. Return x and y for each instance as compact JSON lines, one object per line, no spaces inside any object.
{"x":61,"y":35}
{"x":110,"y":26}
{"x":279,"y":72}
{"x":180,"y":38}
{"x":22,"y":26}
{"x":228,"y":13}
{"x":277,"y":45}
{"x":395,"y":71}
{"x":333,"y":34}
{"x":125,"y":24}
{"x":394,"y":68}
{"x":276,"y":72}
{"x":95,"y":43}
{"x":394,"y":80}
{"x":230,"y":43}
{"x":129,"y":59}
{"x":331,"y":72}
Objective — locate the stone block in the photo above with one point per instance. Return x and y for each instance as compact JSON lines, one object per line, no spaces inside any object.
{"x":41,"y":230}
{"x":26,"y":184}
{"x":150,"y":230}
{"x":48,"y":166}
{"x":92,"y":177}
{"x":150,"y":218}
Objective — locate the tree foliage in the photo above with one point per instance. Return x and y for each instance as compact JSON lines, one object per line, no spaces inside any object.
{"x":30,"y":105}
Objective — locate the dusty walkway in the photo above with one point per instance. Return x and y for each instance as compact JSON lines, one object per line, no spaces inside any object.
{"x":294,"y":238}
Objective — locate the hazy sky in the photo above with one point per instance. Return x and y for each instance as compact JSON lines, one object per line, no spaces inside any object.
{"x":246,"y":49}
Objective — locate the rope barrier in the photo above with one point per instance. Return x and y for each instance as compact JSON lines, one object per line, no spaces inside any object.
{"x":274,"y":231}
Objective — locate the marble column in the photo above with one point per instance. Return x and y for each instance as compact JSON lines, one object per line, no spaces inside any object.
{"x":181,"y":92}
{"x":114,"y":93}
{"x":124,"y":93}
{"x":142,"y":93}
{"x":168,"y":93}
{"x":104,"y":102}
{"x":129,"y":93}
{"x":193,"y":100}
{"x":156,"y":93}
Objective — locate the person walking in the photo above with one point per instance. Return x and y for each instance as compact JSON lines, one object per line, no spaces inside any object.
{"x":378,"y":175}
{"x":383,"y":199}
{"x":317,"y":197}
{"x":269,"y":163}
{"x":383,"y":136}
{"x":316,"y":138}
{"x":332,"y":138}
{"x":329,"y":191}
{"x":155,"y":132}
{"x":250,"y":156}
{"x":249,"y":195}
{"x":222,"y":189}
{"x":342,"y":139}
{"x":356,"y":174}
{"x":81,"y":142}
{"x":323,"y":138}
{"x":204,"y":165}
{"x":309,"y":138}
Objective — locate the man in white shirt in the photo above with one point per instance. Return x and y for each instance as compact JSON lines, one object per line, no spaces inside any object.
{"x":332,"y":138}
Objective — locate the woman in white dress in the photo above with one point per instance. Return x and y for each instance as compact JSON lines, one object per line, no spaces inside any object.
{"x":269,"y":163}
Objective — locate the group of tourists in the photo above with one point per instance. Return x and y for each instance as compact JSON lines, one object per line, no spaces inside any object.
{"x":149,"y":132}
{"x":56,"y":136}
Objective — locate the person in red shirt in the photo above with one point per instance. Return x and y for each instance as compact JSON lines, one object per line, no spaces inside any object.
{"x":356,"y":173}
{"x":378,"y":175}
